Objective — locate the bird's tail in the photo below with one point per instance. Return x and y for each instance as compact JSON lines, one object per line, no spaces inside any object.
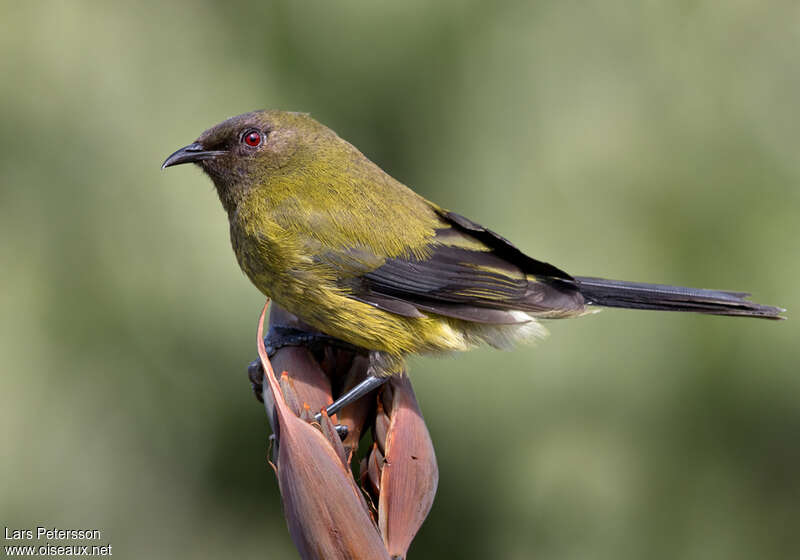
{"x":635,"y":295}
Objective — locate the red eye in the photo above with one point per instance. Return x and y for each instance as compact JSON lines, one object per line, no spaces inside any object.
{"x":252,"y":138}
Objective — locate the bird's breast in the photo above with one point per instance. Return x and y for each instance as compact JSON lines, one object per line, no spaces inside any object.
{"x":271,"y":257}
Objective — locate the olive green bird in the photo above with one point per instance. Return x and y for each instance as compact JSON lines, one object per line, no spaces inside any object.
{"x":333,"y":239}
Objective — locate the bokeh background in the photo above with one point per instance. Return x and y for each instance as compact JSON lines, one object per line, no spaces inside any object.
{"x":651,"y":141}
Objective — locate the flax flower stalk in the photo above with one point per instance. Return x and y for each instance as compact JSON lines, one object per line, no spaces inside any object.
{"x":324,"y":509}
{"x":399,"y":474}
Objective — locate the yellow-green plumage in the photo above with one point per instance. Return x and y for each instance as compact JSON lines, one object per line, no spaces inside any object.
{"x":314,"y":211}
{"x":333,"y":239}
{"x":291,"y":219}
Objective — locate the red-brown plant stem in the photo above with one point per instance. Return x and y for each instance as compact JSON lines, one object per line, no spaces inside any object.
{"x":400,"y":468}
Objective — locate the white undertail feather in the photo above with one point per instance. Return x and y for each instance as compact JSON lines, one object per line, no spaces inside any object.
{"x":527,"y":330}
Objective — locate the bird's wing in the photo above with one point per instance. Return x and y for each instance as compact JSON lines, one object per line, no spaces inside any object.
{"x":466,"y":272}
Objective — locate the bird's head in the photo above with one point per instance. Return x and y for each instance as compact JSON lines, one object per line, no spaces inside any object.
{"x":249,"y":149}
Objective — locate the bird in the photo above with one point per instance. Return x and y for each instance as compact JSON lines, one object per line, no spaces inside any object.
{"x":328,"y":235}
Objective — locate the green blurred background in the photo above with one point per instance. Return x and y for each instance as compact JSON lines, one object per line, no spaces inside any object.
{"x":652,"y":141}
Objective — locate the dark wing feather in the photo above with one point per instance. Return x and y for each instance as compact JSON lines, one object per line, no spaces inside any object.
{"x":469,"y":273}
{"x":503,"y":248}
{"x":451,"y":274}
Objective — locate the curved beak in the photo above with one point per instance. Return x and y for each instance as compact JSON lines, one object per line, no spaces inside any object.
{"x":190,"y":154}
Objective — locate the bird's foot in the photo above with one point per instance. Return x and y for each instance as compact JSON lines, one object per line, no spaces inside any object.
{"x":281,"y":336}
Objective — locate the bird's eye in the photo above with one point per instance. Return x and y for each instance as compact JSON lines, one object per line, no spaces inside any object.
{"x":252,"y":138}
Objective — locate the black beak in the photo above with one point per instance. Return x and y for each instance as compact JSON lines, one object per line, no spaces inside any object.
{"x":190,"y":154}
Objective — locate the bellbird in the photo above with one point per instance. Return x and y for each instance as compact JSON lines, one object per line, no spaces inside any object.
{"x":333,"y":239}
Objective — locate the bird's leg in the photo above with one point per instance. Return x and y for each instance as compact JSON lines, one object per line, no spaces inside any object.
{"x":378,"y":373}
{"x":369,"y":384}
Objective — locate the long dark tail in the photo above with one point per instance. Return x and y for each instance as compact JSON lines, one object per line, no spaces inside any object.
{"x":635,"y":295}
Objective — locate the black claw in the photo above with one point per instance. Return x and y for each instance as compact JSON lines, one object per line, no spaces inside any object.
{"x":256,"y":375}
{"x":342,"y":430}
